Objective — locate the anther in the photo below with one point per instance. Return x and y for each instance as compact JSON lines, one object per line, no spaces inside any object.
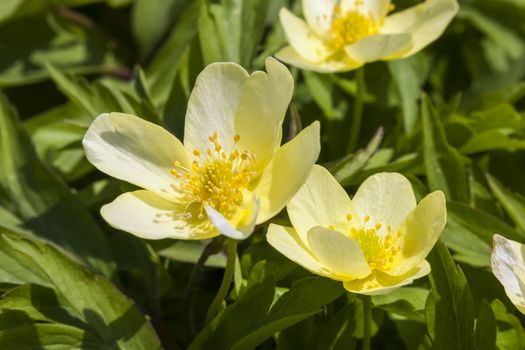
{"x":349,"y":217}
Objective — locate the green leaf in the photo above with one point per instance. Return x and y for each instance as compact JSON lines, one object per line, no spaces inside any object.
{"x":513,"y":203}
{"x":409,"y":75}
{"x":408,"y":302}
{"x":485,"y":336}
{"x":150,"y":19}
{"x":35,"y":42}
{"x":251,"y":320}
{"x":510,"y":334}
{"x":48,"y":337}
{"x":449,"y":307}
{"x":444,"y":166}
{"x":90,"y":298}
{"x":469,"y":232}
{"x":166,"y":63}
{"x":346,"y":169}
{"x":46,"y":206}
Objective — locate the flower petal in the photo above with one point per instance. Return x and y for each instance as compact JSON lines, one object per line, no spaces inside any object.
{"x":508,"y":264}
{"x":288,"y":243}
{"x":340,"y":253}
{"x":321,"y":201}
{"x":212,"y":105}
{"x":134,"y":150}
{"x":377,"y":8}
{"x":302,"y":38}
{"x":287,"y":172}
{"x":318,"y":15}
{"x":262,"y":107}
{"x":241,"y":226}
{"x":425,"y":22}
{"x":379,"y":47}
{"x":149,"y":216}
{"x":419,"y":232}
{"x":382,"y":283}
{"x":330,"y":65}
{"x":387,"y":198}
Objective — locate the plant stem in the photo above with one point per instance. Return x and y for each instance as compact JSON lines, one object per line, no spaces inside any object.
{"x":367,"y":321}
{"x":358,"y":109}
{"x":226,"y":281}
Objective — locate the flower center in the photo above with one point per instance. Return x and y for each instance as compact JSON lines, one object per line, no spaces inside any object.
{"x":217,"y":179}
{"x":379,"y":249}
{"x":352,"y":26}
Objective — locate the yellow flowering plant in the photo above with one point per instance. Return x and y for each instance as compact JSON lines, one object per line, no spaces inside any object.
{"x":343,"y":35}
{"x":508,"y":265}
{"x":373,"y":243}
{"x":230,"y":174}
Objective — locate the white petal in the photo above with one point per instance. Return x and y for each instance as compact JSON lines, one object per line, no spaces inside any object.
{"x":287,"y":172}
{"x":425,"y":22}
{"x":318,"y":14}
{"x":134,"y":150}
{"x":149,"y":216}
{"x":242,"y":226}
{"x":262,"y":107}
{"x":420,"y":232}
{"x":288,"y":243}
{"x":290,"y":56}
{"x":507,"y":260}
{"x":387,"y":198}
{"x":321,"y":201}
{"x":212,"y":106}
{"x":377,"y":8}
{"x":382,"y":283}
{"x":302,"y":38}
{"x":379,"y":47}
{"x":340,"y":253}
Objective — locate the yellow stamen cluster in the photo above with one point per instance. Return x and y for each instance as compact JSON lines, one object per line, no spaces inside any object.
{"x":352,"y":26}
{"x":379,"y":249}
{"x":217,"y":179}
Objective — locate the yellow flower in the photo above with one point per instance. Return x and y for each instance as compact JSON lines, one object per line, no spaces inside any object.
{"x":343,"y":35}
{"x":508,"y":265}
{"x":229,"y":175}
{"x":374,"y":243}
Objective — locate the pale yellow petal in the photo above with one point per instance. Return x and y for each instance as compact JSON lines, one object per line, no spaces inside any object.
{"x":212,"y":106}
{"x":419,"y":232}
{"x":508,"y":265}
{"x":340,"y":253}
{"x":318,"y":15}
{"x":387,"y":198}
{"x":287,"y":172}
{"x":134,"y":150}
{"x":425,"y":22}
{"x":262,"y":107}
{"x":377,"y":8}
{"x":381,"y":283}
{"x":379,"y":47}
{"x":288,"y":243}
{"x":241,"y":225}
{"x":321,"y":201}
{"x":302,"y":38}
{"x":330,"y":65}
{"x":146,"y":215}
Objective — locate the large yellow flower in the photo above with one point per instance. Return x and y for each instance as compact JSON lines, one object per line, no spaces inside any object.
{"x":508,"y":265}
{"x":229,"y":174}
{"x":343,"y":35}
{"x":373,"y":243}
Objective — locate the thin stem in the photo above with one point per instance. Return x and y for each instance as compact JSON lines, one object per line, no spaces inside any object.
{"x":367,"y":321}
{"x":358,"y":109}
{"x":212,"y":248}
{"x":226,"y":281}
